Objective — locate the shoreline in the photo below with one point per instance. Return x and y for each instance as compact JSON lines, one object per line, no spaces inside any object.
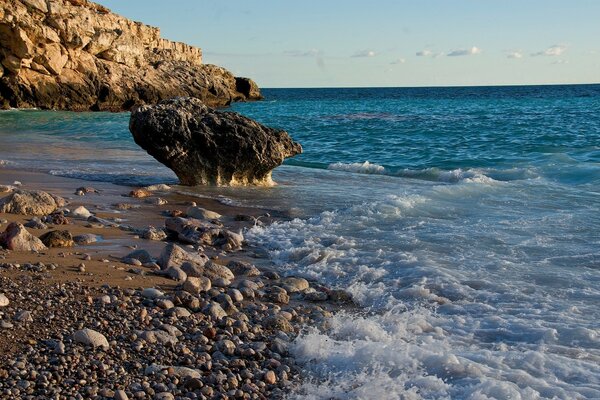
{"x":257,"y":306}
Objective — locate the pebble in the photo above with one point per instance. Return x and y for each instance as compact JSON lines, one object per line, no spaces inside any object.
{"x":4,"y":300}
{"x":92,"y":338}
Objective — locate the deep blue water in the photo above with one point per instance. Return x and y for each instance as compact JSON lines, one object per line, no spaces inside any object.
{"x":464,"y":221}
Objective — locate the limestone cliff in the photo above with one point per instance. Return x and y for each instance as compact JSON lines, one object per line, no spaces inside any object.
{"x":77,"y":55}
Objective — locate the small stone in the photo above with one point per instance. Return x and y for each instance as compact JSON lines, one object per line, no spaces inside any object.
{"x":57,"y":239}
{"x":270,"y":378}
{"x":91,"y":338}
{"x":152,"y":293}
{"x":139,"y":193}
{"x":121,"y":395}
{"x":24,"y":316}
{"x":293,"y":285}
{"x":201,"y":213}
{"x":86,"y":238}
{"x":195,"y":285}
{"x":81,"y":267}
{"x":4,"y":300}
{"x":81,"y":212}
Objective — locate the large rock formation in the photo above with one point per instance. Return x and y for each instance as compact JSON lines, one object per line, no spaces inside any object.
{"x":204,"y":146}
{"x":77,"y":55}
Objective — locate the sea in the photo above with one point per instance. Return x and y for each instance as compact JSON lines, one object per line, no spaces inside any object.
{"x":464,"y":221}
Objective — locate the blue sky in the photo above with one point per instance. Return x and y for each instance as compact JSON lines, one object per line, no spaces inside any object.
{"x":331,"y":43}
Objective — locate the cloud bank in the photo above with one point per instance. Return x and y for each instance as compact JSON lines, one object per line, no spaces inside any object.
{"x":464,"y":52}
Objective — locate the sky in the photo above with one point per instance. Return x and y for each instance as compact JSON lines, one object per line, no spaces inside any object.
{"x":351,"y":43}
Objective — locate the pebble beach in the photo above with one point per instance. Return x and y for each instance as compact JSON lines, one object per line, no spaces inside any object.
{"x":119,"y":307}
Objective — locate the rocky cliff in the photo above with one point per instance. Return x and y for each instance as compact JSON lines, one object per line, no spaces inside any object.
{"x":77,"y":55}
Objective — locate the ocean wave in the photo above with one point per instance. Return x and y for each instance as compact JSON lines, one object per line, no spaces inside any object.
{"x":361,"y":168}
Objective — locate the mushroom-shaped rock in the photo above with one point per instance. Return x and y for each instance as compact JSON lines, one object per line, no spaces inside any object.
{"x":91,"y":338}
{"x":34,"y":202}
{"x":204,"y":146}
{"x":17,"y":238}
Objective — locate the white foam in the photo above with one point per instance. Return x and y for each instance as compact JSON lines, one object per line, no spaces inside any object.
{"x":361,"y":168}
{"x":455,"y":304}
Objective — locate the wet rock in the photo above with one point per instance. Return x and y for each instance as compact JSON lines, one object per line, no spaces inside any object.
{"x":277,"y":294}
{"x":81,"y":212}
{"x":278,"y":322}
{"x":57,"y":239}
{"x":34,"y":202}
{"x":35,"y":223}
{"x":120,"y":395}
{"x":86,"y":238}
{"x":243,"y":268}
{"x":91,"y":338}
{"x":195,"y":231}
{"x":83,"y":190}
{"x":293,"y":285}
{"x":142,"y":255}
{"x":204,"y":146}
{"x":139,"y":193}
{"x":16,"y":238}
{"x":152,"y":233}
{"x":201,"y":213}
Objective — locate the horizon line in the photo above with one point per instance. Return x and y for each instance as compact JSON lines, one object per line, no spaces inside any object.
{"x":433,"y":86}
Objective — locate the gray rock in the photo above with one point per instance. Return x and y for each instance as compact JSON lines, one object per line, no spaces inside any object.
{"x":204,"y":146}
{"x":201,"y":213}
{"x":24,"y":316}
{"x":16,"y":238}
{"x":35,"y":223}
{"x":34,"y":202}
{"x":195,"y":285}
{"x":91,"y":338}
{"x":86,"y":238}
{"x":214,"y":310}
{"x":293,"y":285}
{"x":174,"y":273}
{"x":121,"y":395}
{"x":243,"y":268}
{"x":142,"y":255}
{"x":182,"y":372}
{"x":152,"y":293}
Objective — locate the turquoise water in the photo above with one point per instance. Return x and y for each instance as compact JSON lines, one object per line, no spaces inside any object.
{"x":463,"y":220}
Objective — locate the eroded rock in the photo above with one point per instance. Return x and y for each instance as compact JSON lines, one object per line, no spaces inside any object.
{"x":17,"y":238}
{"x":30,"y":202}
{"x":204,"y":146}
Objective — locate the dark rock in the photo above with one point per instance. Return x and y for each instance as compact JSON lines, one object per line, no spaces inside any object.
{"x":204,"y":146}
{"x":57,"y":239}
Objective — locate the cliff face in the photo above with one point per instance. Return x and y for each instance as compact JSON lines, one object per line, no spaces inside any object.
{"x":77,"y":55}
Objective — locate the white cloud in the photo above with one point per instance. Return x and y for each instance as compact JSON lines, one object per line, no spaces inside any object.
{"x":424,"y":53}
{"x":515,"y":54}
{"x":364,"y":53}
{"x":398,"y":61}
{"x":465,"y":52}
{"x":560,"y":61}
{"x":552,"y":51}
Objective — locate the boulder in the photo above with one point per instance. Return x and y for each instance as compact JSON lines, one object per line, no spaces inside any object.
{"x":142,"y":255}
{"x":31,"y":202}
{"x":205,"y":146}
{"x":57,"y":239}
{"x":195,"y":285}
{"x":17,"y":238}
{"x":81,"y":212}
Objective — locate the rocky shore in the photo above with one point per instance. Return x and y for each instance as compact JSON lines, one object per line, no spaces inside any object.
{"x":115,"y":293}
{"x":77,"y":55}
